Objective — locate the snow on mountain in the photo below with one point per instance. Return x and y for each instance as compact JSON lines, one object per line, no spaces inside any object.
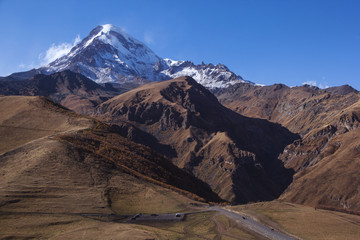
{"x":209,"y":75}
{"x":109,"y":54}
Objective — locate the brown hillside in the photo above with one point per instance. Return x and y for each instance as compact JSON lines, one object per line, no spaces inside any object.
{"x":70,"y":89}
{"x":235,"y":155}
{"x":77,"y":165}
{"x":23,"y":119}
{"x":300,"y":109}
{"x":326,"y":158}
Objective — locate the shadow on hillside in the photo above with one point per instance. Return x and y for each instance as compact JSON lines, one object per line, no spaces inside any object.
{"x":267,"y":140}
{"x":139,"y":136}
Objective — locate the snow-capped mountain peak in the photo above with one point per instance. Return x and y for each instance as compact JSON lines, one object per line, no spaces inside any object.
{"x":172,"y":63}
{"x":109,"y":54}
{"x":104,"y":31}
{"x":208,"y":75}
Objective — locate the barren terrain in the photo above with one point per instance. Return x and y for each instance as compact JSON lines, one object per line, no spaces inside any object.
{"x":326,"y":159}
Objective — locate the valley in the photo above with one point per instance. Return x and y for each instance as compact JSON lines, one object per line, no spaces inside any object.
{"x":111,"y":130}
{"x":326,"y":158}
{"x":206,"y":139}
{"x":65,"y":174}
{"x":302,"y":221}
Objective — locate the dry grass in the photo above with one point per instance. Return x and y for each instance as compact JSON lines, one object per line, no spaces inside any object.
{"x":58,"y":226}
{"x":24,"y":119}
{"x":304,"y":222}
{"x":332,"y":178}
{"x":229,"y":229}
{"x":327,"y":159}
{"x":133,"y":196}
{"x":46,"y":184}
{"x":140,"y":161}
{"x":207,"y":225}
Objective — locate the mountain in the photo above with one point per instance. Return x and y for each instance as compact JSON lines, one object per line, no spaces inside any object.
{"x":108,"y":54}
{"x":300,"y":109}
{"x":208,"y":75}
{"x":341,"y":90}
{"x":71,"y":90}
{"x":326,"y":158}
{"x":28,"y":119}
{"x":235,"y":155}
{"x":60,"y":171}
{"x":21,"y":75}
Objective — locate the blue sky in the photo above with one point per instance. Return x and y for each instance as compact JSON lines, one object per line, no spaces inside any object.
{"x":264,"y":41}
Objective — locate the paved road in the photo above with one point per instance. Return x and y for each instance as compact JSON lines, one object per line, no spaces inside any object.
{"x":253,"y":225}
{"x":157,"y":217}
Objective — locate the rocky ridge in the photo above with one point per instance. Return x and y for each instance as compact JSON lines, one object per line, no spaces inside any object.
{"x":110,"y":55}
{"x":235,"y":155}
{"x":326,"y":157}
{"x":72,"y":90}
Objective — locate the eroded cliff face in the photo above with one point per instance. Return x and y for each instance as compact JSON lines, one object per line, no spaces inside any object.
{"x":235,"y":155}
{"x":327,"y":162}
{"x":326,"y":159}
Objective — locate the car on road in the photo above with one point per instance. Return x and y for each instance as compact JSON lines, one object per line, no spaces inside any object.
{"x":136,"y":216}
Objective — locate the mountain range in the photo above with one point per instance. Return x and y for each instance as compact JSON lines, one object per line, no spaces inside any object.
{"x":205,"y":138}
{"x":113,"y":128}
{"x":70,"y":89}
{"x":110,"y":55}
{"x":326,"y":158}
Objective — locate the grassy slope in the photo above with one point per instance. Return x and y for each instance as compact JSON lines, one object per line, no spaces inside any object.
{"x":303,"y":221}
{"x":208,"y":225}
{"x":327,"y":159}
{"x":197,"y":226}
{"x":24,"y":119}
{"x":66,"y":227}
{"x":133,"y":197}
{"x":48,"y":181}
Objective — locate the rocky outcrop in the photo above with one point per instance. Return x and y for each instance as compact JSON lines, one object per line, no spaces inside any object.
{"x":326,"y":159}
{"x":235,"y":155}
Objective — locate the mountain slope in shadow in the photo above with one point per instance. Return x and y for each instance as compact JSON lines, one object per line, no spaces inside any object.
{"x":235,"y":155}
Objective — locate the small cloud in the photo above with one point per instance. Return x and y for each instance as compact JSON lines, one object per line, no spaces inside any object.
{"x":77,"y":40}
{"x":57,"y":51}
{"x":321,"y":85}
{"x":324,"y":84}
{"x":311,"y":83}
{"x":148,"y":38}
